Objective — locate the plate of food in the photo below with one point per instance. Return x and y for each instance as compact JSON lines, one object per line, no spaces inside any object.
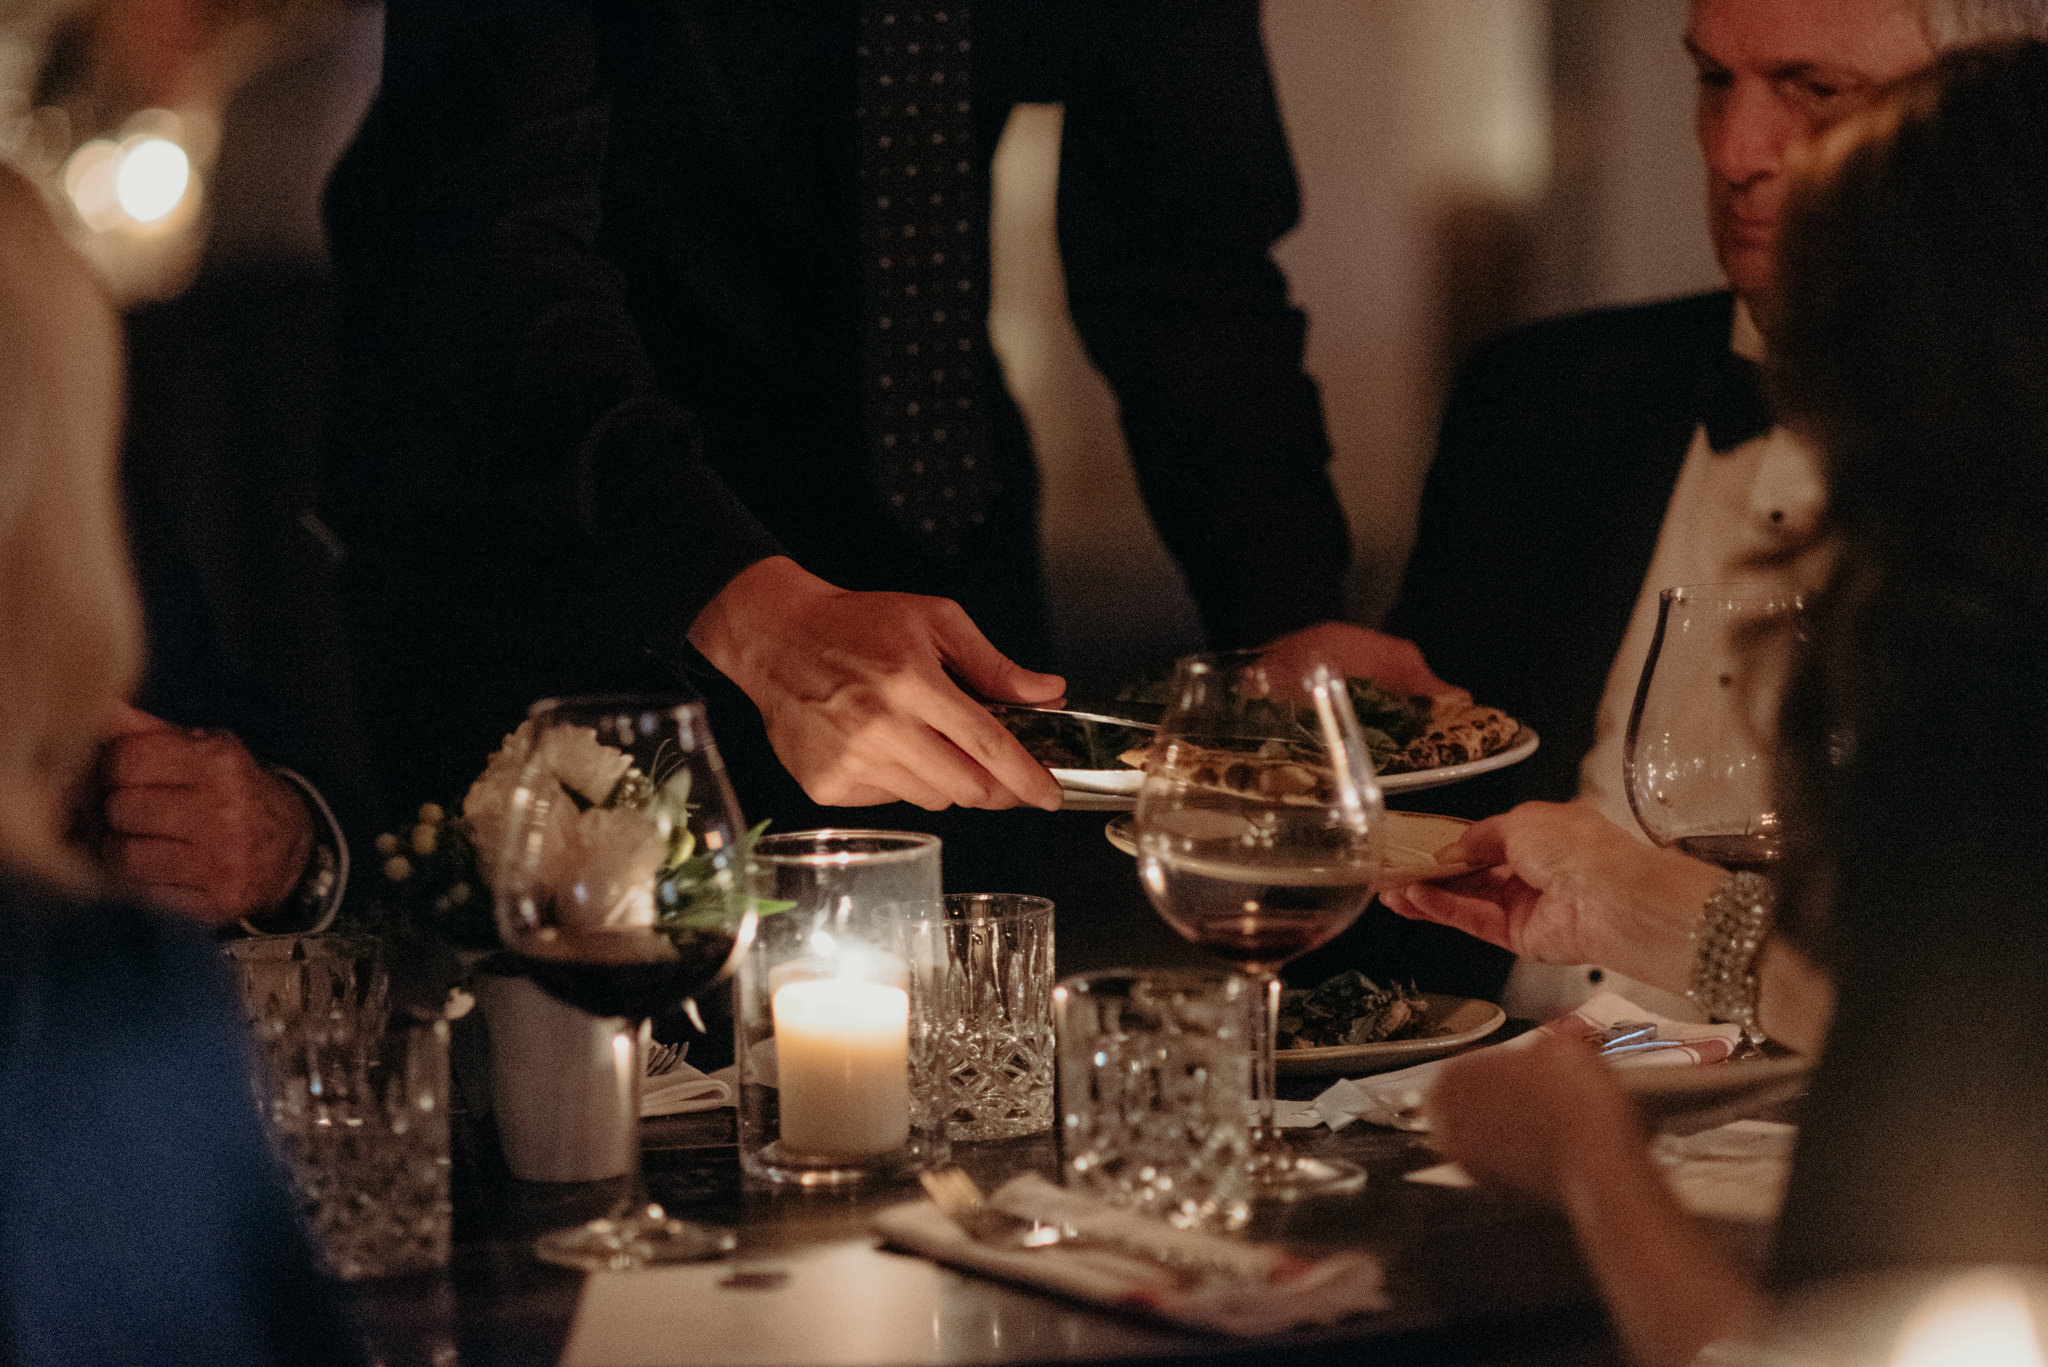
{"x":1408,"y":848}
{"x":1416,"y":742}
{"x":1351,"y":1025}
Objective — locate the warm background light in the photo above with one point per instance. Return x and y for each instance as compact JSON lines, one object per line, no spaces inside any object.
{"x":90,"y":179}
{"x":1978,"y":1321}
{"x":152,"y":179}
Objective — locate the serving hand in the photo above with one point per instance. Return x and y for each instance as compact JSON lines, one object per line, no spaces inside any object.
{"x":859,"y":693}
{"x":1362,"y":653}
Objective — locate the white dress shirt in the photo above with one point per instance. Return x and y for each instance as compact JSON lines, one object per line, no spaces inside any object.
{"x":1744,"y":516}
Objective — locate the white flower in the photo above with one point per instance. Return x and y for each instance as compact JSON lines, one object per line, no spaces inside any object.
{"x":597,"y":865}
{"x":607,"y":868}
{"x":580,"y":762}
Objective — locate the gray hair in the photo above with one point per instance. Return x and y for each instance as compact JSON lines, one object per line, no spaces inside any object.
{"x":1958,"y":23}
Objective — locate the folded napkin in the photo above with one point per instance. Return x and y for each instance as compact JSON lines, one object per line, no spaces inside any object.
{"x":1735,"y":1171}
{"x":1395,"y":1099}
{"x":1193,"y":1278}
{"x":683,"y":1089}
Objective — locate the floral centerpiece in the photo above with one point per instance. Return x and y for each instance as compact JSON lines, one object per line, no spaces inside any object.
{"x":617,"y":848}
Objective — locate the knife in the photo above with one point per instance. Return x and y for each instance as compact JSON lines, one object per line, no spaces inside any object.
{"x":1138,"y":716}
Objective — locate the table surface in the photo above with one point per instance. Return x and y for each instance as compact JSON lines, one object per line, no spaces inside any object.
{"x":1475,"y":1278}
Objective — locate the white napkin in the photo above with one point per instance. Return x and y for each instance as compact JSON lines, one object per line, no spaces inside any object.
{"x":1243,"y":1290}
{"x":1735,"y":1171}
{"x":683,"y":1089}
{"x":1395,"y":1099}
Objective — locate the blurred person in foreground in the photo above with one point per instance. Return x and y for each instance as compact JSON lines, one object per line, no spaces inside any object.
{"x":665,"y":345}
{"x":227,"y":790}
{"x":1587,"y":463}
{"x":141,"y":1217}
{"x":1909,"y":346}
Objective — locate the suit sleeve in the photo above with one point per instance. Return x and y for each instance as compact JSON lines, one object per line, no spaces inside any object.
{"x":1175,"y":182}
{"x":466,"y":225}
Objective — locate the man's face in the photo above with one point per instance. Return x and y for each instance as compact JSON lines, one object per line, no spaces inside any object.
{"x":1772,"y":74}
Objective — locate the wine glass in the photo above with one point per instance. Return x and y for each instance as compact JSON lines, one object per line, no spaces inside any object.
{"x":1702,"y":730}
{"x":1257,"y":831}
{"x":623,"y":886}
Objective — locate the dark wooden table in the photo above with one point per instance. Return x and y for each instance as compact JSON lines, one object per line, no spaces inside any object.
{"x":1475,"y":1278}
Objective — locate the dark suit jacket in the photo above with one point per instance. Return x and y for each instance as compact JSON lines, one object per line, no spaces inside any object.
{"x":142,"y":1219}
{"x":1561,"y":443}
{"x":601,"y":334}
{"x":1560,"y":447}
{"x":226,"y":395}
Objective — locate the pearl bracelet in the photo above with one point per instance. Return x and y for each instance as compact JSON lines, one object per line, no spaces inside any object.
{"x":1731,"y":930}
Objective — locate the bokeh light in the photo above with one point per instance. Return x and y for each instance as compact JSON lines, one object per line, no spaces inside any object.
{"x":152,"y":179}
{"x":89,"y":179}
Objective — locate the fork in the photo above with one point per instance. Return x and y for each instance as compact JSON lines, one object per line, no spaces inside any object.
{"x":1631,"y":1037}
{"x":663,"y":1058}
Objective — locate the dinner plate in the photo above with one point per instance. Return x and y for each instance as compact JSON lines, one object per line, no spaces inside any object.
{"x":1666,"y":1088}
{"x":1409,"y":842}
{"x":1454,"y":1023}
{"x":1121,"y":785}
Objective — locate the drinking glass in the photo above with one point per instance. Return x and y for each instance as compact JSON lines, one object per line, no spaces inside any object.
{"x":353,"y":1088}
{"x":1258,"y":839}
{"x":1153,"y":1076}
{"x":1700,"y":736}
{"x":623,"y":887}
{"x":996,"y":1007}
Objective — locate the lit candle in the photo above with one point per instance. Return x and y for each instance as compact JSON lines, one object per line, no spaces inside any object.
{"x":842,"y":1067}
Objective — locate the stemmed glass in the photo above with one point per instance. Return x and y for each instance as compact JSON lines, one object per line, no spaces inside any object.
{"x":1702,"y":729}
{"x":1257,"y":830}
{"x":623,"y":887}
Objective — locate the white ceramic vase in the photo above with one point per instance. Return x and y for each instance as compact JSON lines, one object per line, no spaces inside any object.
{"x":563,"y":1084}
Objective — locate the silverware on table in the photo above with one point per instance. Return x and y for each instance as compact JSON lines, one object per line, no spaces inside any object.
{"x":961,"y":1201}
{"x":664,"y":1058}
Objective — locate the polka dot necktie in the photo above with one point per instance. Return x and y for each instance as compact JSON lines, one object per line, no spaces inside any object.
{"x":924,"y":223}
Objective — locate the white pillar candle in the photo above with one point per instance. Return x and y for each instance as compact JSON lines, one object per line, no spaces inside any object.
{"x":842,"y":1065}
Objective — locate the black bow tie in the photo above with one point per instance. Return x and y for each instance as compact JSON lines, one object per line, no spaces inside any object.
{"x":1732,"y":402}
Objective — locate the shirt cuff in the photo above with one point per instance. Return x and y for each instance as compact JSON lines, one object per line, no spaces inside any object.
{"x":317,"y":897}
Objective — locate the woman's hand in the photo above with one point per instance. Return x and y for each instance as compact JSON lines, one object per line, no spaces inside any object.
{"x":1550,"y":1122}
{"x":1528,"y":1118}
{"x":1564,"y":885}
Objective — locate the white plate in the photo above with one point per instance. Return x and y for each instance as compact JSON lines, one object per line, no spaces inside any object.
{"x":1121,"y":785}
{"x":1712,"y":1081}
{"x":1410,"y":841}
{"x":1454,"y":1022}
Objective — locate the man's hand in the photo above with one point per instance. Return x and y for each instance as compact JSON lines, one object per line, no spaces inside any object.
{"x":1566,"y":886}
{"x":1360,"y":653}
{"x":859,"y":691}
{"x":196,"y":824}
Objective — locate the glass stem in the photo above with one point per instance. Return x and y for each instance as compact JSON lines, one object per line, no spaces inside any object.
{"x":636,"y":1201}
{"x":1266,"y":1030}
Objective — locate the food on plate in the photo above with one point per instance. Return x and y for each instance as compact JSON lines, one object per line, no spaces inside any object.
{"x":1404,"y":732}
{"x":1350,"y":1008}
{"x":1065,"y":742}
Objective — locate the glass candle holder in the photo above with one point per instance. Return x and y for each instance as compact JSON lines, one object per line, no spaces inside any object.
{"x":838,"y":1033}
